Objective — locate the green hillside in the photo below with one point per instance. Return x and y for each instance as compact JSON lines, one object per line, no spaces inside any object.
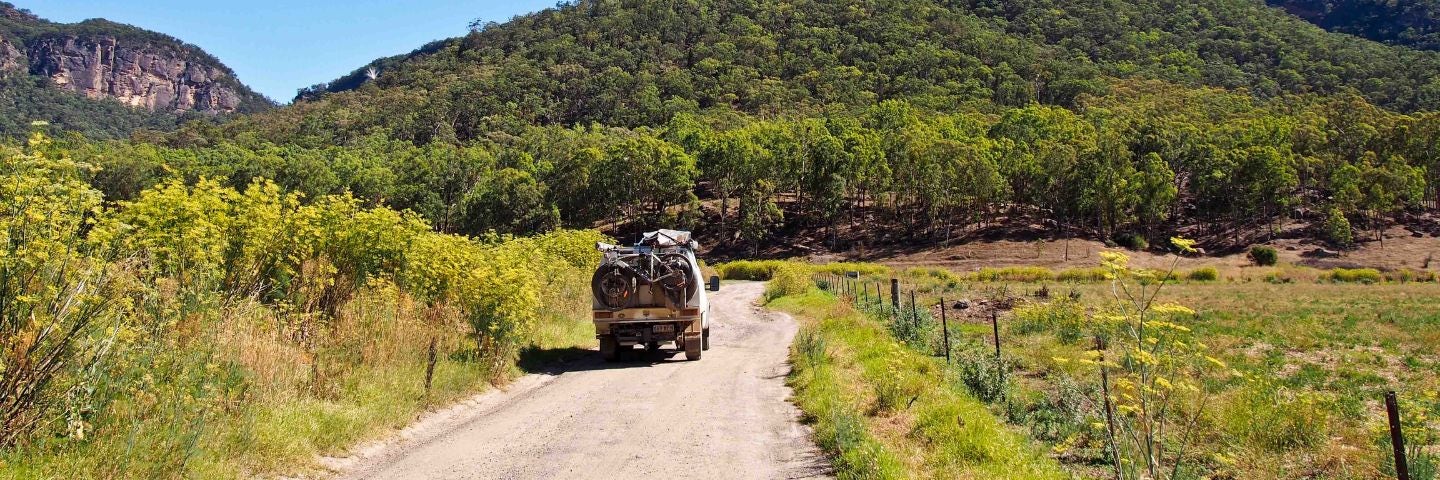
{"x":1113,"y":120}
{"x":630,"y":63}
{"x":1414,"y":23}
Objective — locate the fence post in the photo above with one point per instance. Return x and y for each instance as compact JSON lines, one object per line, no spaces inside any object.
{"x":1397,"y":436}
{"x":895,"y":294}
{"x":945,"y":328}
{"x":914,"y":310}
{"x":995,"y":325}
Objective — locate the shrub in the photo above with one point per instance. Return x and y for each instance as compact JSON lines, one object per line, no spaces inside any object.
{"x":986,"y":377}
{"x":1263,"y":255}
{"x":1406,"y":275}
{"x":758,"y":270}
{"x":1132,"y":241}
{"x":948,"y":278}
{"x":56,"y":303}
{"x":1065,"y":318}
{"x":1203,"y":274}
{"x":841,"y":268}
{"x":788,"y":279}
{"x":1153,"y":274}
{"x":1014,"y":274}
{"x":1094,"y":274}
{"x":915,"y":327}
{"x":1337,"y":229}
{"x":1353,"y":275}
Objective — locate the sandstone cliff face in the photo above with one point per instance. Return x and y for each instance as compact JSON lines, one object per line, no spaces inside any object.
{"x":138,"y":75}
{"x":10,"y":57}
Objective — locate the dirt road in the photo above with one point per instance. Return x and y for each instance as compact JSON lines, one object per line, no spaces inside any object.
{"x":725,"y":416}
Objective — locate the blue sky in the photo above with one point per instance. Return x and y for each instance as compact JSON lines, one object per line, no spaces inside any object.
{"x":279,"y":46}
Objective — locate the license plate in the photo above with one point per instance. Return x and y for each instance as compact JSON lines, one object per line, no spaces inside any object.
{"x":667,"y":328}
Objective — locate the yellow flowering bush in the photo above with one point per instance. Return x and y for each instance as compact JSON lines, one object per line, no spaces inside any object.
{"x":55,"y":299}
{"x":129,"y":331}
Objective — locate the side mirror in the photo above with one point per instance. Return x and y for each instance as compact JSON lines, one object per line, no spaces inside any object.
{"x":714,"y":283}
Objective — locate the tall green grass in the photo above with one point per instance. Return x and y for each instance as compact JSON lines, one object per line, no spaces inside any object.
{"x":871,"y":398}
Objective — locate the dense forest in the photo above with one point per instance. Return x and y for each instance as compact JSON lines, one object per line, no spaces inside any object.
{"x":1414,"y":23}
{"x":1147,"y":158}
{"x":1113,"y":120}
{"x":636,"y":63}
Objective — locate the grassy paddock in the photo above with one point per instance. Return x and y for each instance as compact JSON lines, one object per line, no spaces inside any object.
{"x":1030,"y":274}
{"x":882,"y":410}
{"x":1314,"y":350}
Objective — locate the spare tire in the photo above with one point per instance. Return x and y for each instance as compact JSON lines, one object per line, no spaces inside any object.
{"x":679,"y":289}
{"x":613,"y":286}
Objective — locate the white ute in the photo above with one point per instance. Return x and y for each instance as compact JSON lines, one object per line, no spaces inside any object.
{"x":651,"y":294}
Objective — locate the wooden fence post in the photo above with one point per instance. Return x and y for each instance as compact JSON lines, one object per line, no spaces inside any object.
{"x":945,"y":328}
{"x":914,"y":310}
{"x":895,"y":294}
{"x":995,"y":325}
{"x":1397,"y":436}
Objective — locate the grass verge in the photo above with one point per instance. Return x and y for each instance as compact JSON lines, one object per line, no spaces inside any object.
{"x":883,"y":410}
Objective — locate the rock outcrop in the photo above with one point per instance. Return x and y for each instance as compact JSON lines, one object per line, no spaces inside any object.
{"x":10,"y":57}
{"x":155,"y":78}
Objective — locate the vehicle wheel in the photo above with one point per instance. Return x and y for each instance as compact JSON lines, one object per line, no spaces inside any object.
{"x":609,"y":350}
{"x":705,"y":340}
{"x":693,"y":346}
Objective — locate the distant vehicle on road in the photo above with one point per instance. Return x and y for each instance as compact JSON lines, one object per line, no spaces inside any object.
{"x":651,"y":294}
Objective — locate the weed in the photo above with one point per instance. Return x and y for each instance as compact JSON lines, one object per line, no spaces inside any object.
{"x":1064,"y":317}
{"x":1354,"y":275}
{"x":1095,"y":274}
{"x":758,"y":270}
{"x":915,"y":327}
{"x":1014,"y":274}
{"x":788,"y":279}
{"x":982,"y":374}
{"x":1203,"y":274}
{"x":1406,"y":275}
{"x":811,"y":345}
{"x":1276,"y":419}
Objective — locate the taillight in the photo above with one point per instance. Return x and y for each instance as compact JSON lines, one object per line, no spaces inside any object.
{"x":690,"y":312}
{"x":599,"y":314}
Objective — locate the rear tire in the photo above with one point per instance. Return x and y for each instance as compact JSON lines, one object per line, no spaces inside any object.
{"x":705,"y":340}
{"x":609,"y":349}
{"x":693,"y":347}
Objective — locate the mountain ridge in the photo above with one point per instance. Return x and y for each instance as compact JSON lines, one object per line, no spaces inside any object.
{"x":105,"y":62}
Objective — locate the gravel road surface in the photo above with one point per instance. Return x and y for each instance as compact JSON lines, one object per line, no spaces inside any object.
{"x":725,"y":416}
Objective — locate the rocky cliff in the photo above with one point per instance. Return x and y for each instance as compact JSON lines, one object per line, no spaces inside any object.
{"x":82,"y":76}
{"x":139,"y":75}
{"x":10,"y":57}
